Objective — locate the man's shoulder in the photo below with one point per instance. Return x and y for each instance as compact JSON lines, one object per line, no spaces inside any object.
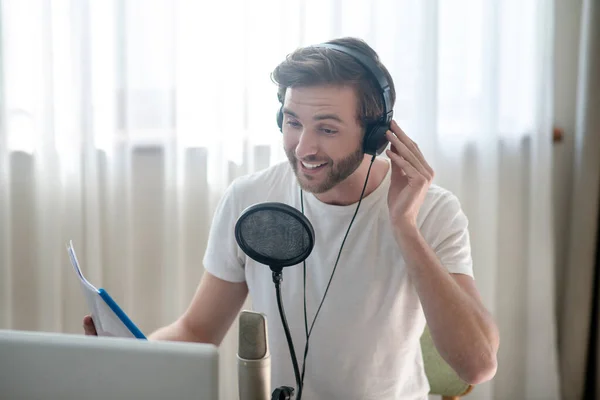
{"x":275,"y":174}
{"x":439,"y":202}
{"x":437,"y":193}
{"x":266,"y":184}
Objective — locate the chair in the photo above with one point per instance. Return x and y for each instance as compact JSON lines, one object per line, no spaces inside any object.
{"x":442,"y":379}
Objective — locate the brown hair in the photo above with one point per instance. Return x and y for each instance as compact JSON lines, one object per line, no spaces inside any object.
{"x":312,"y":66}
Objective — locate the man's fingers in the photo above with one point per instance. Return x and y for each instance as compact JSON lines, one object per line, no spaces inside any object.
{"x":88,"y":326}
{"x":400,"y":148}
{"x":411,"y":145}
{"x":409,"y":170}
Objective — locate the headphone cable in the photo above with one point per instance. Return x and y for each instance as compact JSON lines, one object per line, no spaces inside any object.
{"x":308,"y":332}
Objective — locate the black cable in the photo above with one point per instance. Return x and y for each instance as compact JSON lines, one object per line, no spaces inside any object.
{"x":331,"y":277}
{"x":304,"y":273}
{"x":277,"y":280}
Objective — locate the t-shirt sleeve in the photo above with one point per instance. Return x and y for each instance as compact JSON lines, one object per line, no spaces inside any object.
{"x":222,"y":257}
{"x":447,"y":228}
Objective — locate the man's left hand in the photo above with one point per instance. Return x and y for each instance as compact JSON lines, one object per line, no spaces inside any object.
{"x":411,"y":178}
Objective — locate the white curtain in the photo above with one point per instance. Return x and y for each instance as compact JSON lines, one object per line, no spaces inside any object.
{"x":122,"y":122}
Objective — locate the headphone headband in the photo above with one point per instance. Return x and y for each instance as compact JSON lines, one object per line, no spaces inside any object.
{"x":373,"y":69}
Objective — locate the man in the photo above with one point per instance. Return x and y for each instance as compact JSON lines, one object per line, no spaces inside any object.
{"x":406,"y":260}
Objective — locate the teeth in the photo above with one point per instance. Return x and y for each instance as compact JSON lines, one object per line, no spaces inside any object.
{"x":311,"y":166}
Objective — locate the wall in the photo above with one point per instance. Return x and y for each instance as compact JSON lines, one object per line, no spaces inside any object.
{"x":566,"y":47}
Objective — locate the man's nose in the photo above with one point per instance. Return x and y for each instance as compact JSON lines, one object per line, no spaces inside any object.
{"x":307,"y":145}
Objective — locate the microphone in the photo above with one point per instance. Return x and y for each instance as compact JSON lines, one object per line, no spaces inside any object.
{"x":253,"y":358}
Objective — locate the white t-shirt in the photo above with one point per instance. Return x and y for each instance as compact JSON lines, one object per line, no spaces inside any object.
{"x":365,"y":342}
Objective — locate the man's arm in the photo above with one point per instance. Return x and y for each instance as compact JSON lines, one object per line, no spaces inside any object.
{"x":210,"y":314}
{"x":461,"y":328}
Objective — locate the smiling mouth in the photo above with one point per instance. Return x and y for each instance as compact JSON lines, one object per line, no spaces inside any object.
{"x":312,"y":166}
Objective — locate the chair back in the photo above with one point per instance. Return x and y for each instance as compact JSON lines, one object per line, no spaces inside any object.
{"x":442,"y":379}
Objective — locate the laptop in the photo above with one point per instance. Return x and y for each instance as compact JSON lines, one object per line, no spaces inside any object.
{"x":38,"y":365}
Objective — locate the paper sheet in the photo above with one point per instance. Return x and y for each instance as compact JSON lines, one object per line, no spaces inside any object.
{"x":106,"y":321}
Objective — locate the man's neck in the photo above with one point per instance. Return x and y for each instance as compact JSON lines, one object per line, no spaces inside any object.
{"x":348,"y":192}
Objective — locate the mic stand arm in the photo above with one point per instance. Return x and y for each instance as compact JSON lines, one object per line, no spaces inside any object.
{"x":286,"y":392}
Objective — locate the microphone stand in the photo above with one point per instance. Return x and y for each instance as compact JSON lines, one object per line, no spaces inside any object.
{"x":285,"y":392}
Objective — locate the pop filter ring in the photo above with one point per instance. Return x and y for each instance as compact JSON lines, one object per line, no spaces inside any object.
{"x":277,"y":207}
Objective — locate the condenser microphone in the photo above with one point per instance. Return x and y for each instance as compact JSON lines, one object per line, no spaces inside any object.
{"x":253,"y":359}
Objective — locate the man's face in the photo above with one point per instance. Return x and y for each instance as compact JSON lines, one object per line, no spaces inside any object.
{"x":321,"y":135}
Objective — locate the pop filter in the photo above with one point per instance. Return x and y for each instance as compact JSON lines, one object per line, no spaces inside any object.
{"x":275,"y":234}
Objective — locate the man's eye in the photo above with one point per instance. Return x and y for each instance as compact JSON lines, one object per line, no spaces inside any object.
{"x":294,"y":124}
{"x":328,"y":131}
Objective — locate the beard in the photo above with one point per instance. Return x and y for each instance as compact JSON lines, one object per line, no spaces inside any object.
{"x":336,"y":172}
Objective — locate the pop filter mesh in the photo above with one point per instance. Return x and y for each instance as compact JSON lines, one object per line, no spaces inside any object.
{"x":274,"y":234}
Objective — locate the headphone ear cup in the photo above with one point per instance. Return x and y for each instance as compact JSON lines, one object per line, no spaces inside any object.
{"x":380,"y":139}
{"x":367,"y":139}
{"x":375,"y":141}
{"x":280,"y":118}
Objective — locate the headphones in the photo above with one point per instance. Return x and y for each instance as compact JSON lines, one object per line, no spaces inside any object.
{"x":374,"y":141}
